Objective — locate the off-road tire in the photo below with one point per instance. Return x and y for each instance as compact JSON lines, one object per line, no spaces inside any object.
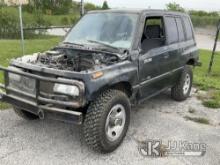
{"x":95,"y":120}
{"x":24,"y":114}
{"x":177,"y":92}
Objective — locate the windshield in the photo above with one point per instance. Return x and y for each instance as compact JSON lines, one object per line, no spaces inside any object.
{"x":113,"y":29}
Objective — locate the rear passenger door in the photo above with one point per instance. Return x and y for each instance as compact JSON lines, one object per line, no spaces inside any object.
{"x":189,"y":46}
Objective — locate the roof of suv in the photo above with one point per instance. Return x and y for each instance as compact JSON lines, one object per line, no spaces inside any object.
{"x":138,"y":11}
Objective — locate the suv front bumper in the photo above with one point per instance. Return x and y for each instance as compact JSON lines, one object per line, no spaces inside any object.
{"x":44,"y":107}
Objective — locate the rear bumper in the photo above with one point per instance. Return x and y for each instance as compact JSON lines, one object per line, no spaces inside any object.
{"x":44,"y":107}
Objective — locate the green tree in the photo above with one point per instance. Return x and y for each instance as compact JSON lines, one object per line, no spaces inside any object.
{"x":2,"y":3}
{"x":90,"y":6}
{"x":203,"y":13}
{"x":55,"y":6}
{"x":173,"y":6}
{"x":105,"y":5}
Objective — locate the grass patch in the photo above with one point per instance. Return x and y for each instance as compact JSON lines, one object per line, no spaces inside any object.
{"x":11,"y":49}
{"x":198,"y":119}
{"x":201,"y":79}
{"x":212,"y":99}
{"x":4,"y":106}
{"x":210,"y":83}
{"x":211,"y":103}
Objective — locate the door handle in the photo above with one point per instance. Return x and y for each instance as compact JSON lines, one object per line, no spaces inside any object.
{"x":166,"y":56}
{"x":147,"y":60}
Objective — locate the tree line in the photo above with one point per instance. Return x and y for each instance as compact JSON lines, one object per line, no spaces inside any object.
{"x":199,"y":18}
{"x":38,"y":13}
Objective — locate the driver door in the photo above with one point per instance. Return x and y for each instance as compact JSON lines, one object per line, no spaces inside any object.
{"x":154,"y":60}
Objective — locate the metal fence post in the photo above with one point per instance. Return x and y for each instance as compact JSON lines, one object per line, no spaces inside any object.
{"x":21,"y":28}
{"x":82,"y":10}
{"x":214,"y":48}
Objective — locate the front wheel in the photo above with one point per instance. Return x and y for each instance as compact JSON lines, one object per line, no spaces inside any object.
{"x":107,"y":121}
{"x":182,"y":89}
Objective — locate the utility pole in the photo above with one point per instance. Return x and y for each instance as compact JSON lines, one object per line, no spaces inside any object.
{"x":82,"y":10}
{"x":214,"y":48}
{"x":21,"y":27}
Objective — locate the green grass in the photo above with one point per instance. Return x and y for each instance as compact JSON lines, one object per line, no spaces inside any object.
{"x":198,"y":119}
{"x":11,"y":49}
{"x":212,"y":99}
{"x":55,"y":20}
{"x":212,"y":103}
{"x":60,"y":20}
{"x":201,"y":79}
{"x":211,"y":82}
{"x":4,"y":106}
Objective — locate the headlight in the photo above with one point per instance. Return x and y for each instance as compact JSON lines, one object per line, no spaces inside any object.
{"x":13,"y":76}
{"x":66,"y":89}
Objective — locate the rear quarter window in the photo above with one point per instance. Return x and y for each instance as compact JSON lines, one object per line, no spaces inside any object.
{"x":180,"y":29}
{"x":188,"y":28}
{"x":171,"y":30}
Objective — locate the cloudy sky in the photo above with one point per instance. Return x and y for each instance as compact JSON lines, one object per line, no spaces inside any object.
{"x":208,"y":5}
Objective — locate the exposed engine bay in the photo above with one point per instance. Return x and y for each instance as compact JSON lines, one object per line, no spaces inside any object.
{"x":70,"y":59}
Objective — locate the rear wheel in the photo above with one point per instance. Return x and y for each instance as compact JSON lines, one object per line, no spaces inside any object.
{"x":107,"y":121}
{"x":182,"y":89}
{"x":24,"y":114}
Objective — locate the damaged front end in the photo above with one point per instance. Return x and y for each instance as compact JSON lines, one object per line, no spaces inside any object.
{"x":51,"y":84}
{"x":76,"y":60}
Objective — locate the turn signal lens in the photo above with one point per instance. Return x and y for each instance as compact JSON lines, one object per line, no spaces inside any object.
{"x":97,"y":75}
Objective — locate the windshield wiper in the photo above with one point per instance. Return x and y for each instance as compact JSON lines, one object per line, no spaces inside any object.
{"x":103,"y":44}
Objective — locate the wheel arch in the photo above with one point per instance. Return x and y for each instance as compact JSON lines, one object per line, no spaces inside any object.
{"x":191,"y":61}
{"x":123,"y":86}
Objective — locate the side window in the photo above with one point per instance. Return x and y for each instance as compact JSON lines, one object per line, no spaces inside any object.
{"x":180,"y":29}
{"x":171,"y":30}
{"x":189,"y":33}
{"x":153,"y":35}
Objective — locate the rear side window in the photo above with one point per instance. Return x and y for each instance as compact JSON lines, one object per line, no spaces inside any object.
{"x":189,"y":33}
{"x":180,"y":29}
{"x":171,"y":30}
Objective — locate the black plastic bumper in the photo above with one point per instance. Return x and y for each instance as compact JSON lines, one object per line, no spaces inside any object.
{"x":38,"y":105}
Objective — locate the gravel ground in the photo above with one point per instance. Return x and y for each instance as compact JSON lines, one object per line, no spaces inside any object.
{"x":51,"y":142}
{"x":205,"y":41}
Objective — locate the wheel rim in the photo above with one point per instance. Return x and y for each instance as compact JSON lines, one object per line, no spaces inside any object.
{"x":187,"y":84}
{"x":115,"y":122}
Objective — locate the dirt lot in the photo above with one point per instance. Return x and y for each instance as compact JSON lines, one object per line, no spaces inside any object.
{"x":51,"y":142}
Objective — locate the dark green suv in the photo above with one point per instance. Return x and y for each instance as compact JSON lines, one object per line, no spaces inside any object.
{"x":107,"y":62}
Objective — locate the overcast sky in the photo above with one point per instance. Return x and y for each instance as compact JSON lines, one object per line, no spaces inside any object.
{"x":208,"y":5}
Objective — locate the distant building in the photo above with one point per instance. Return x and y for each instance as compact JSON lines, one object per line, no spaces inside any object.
{"x":15,"y":2}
